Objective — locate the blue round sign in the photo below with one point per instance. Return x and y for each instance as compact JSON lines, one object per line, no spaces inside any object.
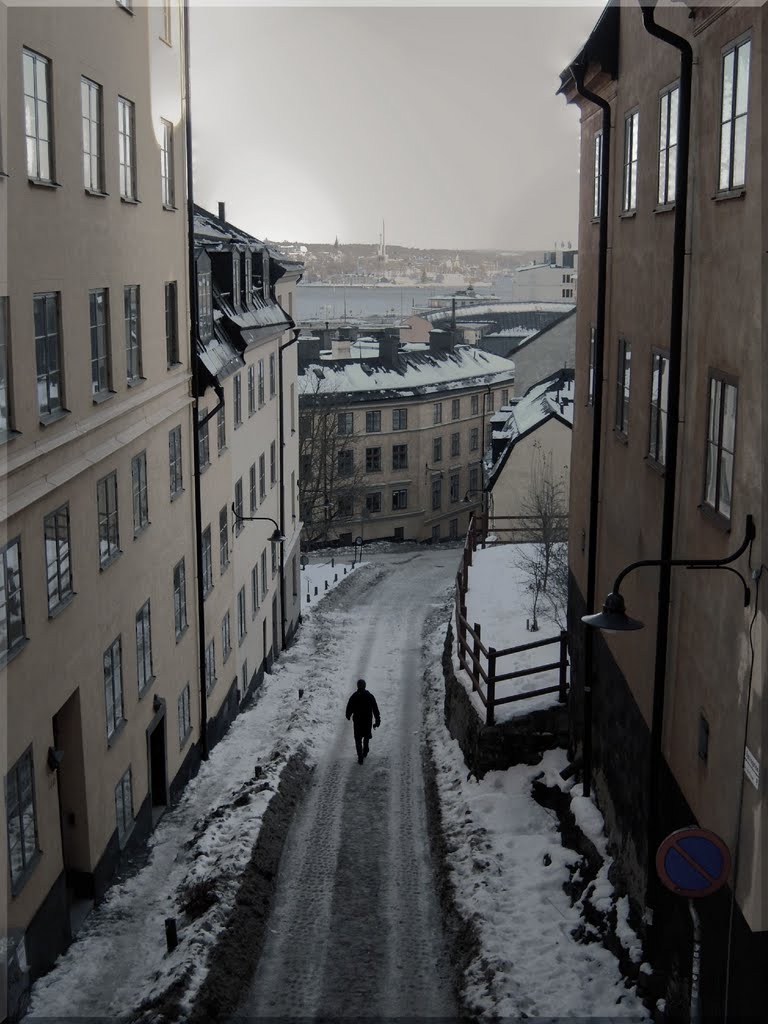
{"x":693,"y":862}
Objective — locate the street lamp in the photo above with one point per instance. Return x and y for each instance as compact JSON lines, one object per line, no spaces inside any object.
{"x":432,"y":469}
{"x":614,"y":619}
{"x":278,"y":537}
{"x":467,"y":500}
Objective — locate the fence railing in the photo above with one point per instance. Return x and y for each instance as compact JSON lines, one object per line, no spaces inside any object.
{"x":472,"y":651}
{"x":524,"y":529}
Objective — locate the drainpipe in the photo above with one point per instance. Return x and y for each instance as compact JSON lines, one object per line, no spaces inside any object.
{"x":673,"y":416}
{"x":577,"y":71}
{"x":280,"y":400}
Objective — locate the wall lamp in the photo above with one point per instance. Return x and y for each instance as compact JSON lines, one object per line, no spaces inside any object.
{"x":467,"y":500}
{"x":432,"y":469}
{"x":277,"y":537}
{"x":614,"y":619}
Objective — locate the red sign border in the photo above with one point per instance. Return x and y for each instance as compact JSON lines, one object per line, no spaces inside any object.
{"x":692,"y":833}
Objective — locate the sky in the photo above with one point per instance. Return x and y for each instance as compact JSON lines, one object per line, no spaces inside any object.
{"x":314,"y":122}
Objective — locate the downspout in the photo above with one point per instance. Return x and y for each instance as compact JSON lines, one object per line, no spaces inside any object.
{"x":577,"y":71}
{"x":281,"y":400}
{"x":673,"y":416}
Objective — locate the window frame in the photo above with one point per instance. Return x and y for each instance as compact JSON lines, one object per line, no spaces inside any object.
{"x":210,"y":667}
{"x":399,"y":456}
{"x":373,"y":459}
{"x":345,"y":461}
{"x":591,"y":366}
{"x":172,"y":353}
{"x":597,"y":174}
{"x":34,"y":173}
{"x":658,"y":428}
{"x":101,"y":348}
{"x":10,"y":649}
{"x":6,"y":389}
{"x":723,"y":381}
{"x":206,"y":560}
{"x":180,"y":621}
{"x":48,"y":339}
{"x":348,"y":421}
{"x":95,"y":135}
{"x":623,"y":386}
{"x":125,"y":823}
{"x":58,"y":569}
{"x":108,"y":519}
{"x":115,"y":689}
{"x":437,"y":413}
{"x":224,"y":560}
{"x":373,"y":421}
{"x":373,"y":502}
{"x":184,"y":707}
{"x":144,"y":669}
{"x":221,"y":429}
{"x":21,"y":803}
{"x":132,"y":323}
{"x":238,"y":523}
{"x":237,"y":398}
{"x":666,"y":191}
{"x":140,"y":493}
{"x":126,"y":149}
{"x":399,"y":499}
{"x":733,"y":47}
{"x":175,"y":467}
{"x":630,"y":176}
{"x":400,"y":419}
{"x":167,"y":165}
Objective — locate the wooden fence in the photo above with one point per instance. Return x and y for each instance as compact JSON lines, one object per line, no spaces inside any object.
{"x":472,"y":651}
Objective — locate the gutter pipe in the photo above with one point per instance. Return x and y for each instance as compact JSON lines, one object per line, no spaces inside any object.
{"x":281,"y":400}
{"x":577,"y":70}
{"x":673,"y":418}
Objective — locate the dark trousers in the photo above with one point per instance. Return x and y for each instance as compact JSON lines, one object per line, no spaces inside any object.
{"x":362,"y":736}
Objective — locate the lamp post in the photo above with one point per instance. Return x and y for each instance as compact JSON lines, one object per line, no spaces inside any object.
{"x":614,"y":619}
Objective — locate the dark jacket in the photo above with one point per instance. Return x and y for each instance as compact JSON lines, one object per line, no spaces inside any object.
{"x":362,"y":709}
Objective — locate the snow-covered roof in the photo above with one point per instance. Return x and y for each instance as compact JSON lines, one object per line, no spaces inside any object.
{"x":505,"y":307}
{"x":417,"y":373}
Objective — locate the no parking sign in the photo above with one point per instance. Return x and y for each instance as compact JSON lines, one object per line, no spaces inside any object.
{"x":693,"y":862}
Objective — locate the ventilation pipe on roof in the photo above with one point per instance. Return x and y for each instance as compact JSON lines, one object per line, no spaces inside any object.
{"x":222,"y":213}
{"x":673,"y":417}
{"x":577,"y":70}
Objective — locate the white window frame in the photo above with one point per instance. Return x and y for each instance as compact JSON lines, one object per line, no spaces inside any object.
{"x":92,"y":112}
{"x":630,"y":177}
{"x":126,"y":138}
{"x":144,"y":670}
{"x":167,"y":165}
{"x":669,"y":122}
{"x":58,"y":557}
{"x":734,"y":110}
{"x":38,"y":116}
{"x":113,"y":686}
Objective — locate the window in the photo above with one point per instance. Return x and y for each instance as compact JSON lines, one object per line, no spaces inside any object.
{"x":591,"y":368}
{"x":505,"y":394}
{"x":58,"y":561}
{"x":733,"y":116}
{"x":454,"y":492}
{"x":437,"y":492}
{"x":174,"y":461}
{"x":238,"y":523}
{"x":437,"y":413}
{"x":373,"y":422}
{"x":144,"y":647}
{"x":346,"y":422}
{"x":6,"y":419}
{"x":490,"y":403}
{"x":101,"y":371}
{"x":597,"y":176}
{"x":210,"y":666}
{"x":248,"y":279}
{"x":455,"y":408}
{"x":474,"y":478}
{"x":221,"y":430}
{"x":629,"y":192}
{"x":171,"y":324}
{"x":567,"y":293}
{"x":262,"y":477}
{"x":207,"y":561}
{"x":436,"y":532}
{"x":180,"y":598}
{"x":11,"y":600}
{"x":93,"y":145}
{"x":668,"y":107}
{"x":261,"y":382}
{"x":251,"y":390}
{"x":345,"y":506}
{"x":263,"y":574}
{"x":203,"y":440}
{"x":657,"y":446}
{"x":373,"y":460}
{"x":437,"y":449}
{"x":346,"y":461}
{"x":226,"y":637}
{"x":474,"y":439}
{"x":272,"y":464}
{"x":399,"y":499}
{"x":109,"y":534}
{"x":124,"y":808}
{"x":237,"y":392}
{"x":373,"y":502}
{"x":623,"y":373}
{"x":21,"y":818}
{"x":399,"y":456}
{"x":252,"y":488}
{"x":721,"y":435}
{"x":272,"y":375}
{"x":204,"y":306}
{"x":132,"y":333}
{"x":185,"y":715}
{"x":50,"y":386}
{"x":254,"y":590}
{"x":453,"y":529}
{"x":113,"y":686}
{"x":241,"y":621}
{"x":236,"y":283}
{"x":455,"y":444}
{"x":37,"y":116}
{"x":166,"y":164}
{"x":244,"y":675}
{"x":399,"y":419}
{"x":474,"y":405}
{"x":167,"y":23}
{"x":139,"y":492}
{"x":126,"y":133}
{"x":224,"y":538}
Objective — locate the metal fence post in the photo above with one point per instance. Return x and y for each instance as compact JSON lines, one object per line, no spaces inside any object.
{"x":491,"y":687}
{"x":563,"y":665}
{"x":476,"y":658}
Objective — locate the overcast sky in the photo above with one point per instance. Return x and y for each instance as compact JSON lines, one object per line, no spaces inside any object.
{"x":317,"y":122}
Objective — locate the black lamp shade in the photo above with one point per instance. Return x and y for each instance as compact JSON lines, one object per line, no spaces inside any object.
{"x":613,"y":618}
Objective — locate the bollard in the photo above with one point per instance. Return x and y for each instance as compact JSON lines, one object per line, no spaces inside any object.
{"x":326,"y":584}
{"x":333,"y":564}
{"x":308,"y":598}
{"x":345,"y":570}
{"x":315,"y":591}
{"x":301,"y":693}
{"x":171,"y":937}
{"x":335,"y":577}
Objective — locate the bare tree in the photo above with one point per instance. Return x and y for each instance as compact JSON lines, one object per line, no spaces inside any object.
{"x":545,"y":559}
{"x":331,"y":487}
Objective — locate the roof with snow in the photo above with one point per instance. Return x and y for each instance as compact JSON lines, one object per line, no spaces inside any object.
{"x":415,"y":374}
{"x":548,"y":399}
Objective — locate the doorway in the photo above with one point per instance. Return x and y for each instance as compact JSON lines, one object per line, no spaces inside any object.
{"x":275,"y":633}
{"x":67,"y":760}
{"x":158,"y":771}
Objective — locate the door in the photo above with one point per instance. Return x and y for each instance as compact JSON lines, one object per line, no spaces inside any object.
{"x":275,"y":633}
{"x":66,"y":755}
{"x":158,"y":777}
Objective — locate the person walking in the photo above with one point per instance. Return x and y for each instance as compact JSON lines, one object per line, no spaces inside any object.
{"x":363,"y":710}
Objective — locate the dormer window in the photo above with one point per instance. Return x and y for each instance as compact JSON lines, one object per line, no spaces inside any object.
{"x":248,"y":290}
{"x":204,"y":306}
{"x":265,"y":274}
{"x":236,"y":285}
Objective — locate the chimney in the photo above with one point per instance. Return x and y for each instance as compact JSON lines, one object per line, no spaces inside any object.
{"x":441,"y":341}
{"x":389,"y":349}
{"x":222,"y":213}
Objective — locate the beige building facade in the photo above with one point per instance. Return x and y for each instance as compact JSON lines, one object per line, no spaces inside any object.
{"x":701,"y":695}
{"x":99,"y":661}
